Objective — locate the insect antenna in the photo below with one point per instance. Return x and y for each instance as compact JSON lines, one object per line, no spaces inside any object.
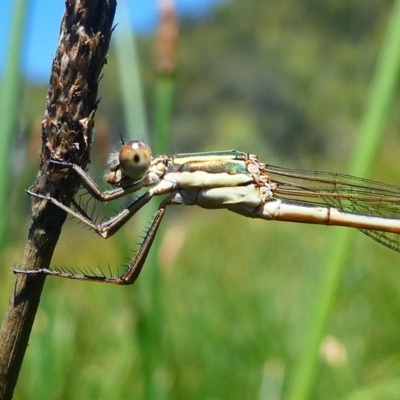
{"x":121,"y":137}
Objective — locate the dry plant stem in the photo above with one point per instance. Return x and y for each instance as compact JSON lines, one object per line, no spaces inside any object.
{"x":66,"y":135}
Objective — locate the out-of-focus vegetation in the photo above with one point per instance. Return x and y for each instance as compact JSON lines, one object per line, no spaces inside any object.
{"x":289,"y":81}
{"x":10,"y":92}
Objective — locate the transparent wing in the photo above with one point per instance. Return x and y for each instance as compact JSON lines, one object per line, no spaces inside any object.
{"x":344,"y":192}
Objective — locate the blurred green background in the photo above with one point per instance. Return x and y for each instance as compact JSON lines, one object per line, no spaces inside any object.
{"x":223,"y":307}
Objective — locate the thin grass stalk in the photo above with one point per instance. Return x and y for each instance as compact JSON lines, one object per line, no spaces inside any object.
{"x":150,"y":322}
{"x":9,"y":111}
{"x":147,"y":288}
{"x":380,"y":101}
{"x":153,"y":331}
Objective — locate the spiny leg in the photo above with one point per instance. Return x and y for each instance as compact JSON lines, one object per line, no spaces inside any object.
{"x":109,"y":227}
{"x":136,"y":265}
{"x":134,"y":268}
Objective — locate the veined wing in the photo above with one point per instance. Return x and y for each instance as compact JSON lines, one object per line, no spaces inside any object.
{"x":344,"y":192}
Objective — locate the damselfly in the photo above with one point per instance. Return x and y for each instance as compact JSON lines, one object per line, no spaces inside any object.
{"x":237,"y":182}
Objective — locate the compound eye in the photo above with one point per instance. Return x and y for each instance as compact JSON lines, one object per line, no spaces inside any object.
{"x":135,"y":159}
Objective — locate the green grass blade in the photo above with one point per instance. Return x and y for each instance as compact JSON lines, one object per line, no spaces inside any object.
{"x":383,"y":89}
{"x":149,"y":335}
{"x":153,"y":332}
{"x":9,"y":110}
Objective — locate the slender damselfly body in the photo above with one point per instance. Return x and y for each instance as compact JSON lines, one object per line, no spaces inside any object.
{"x":235,"y":181}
